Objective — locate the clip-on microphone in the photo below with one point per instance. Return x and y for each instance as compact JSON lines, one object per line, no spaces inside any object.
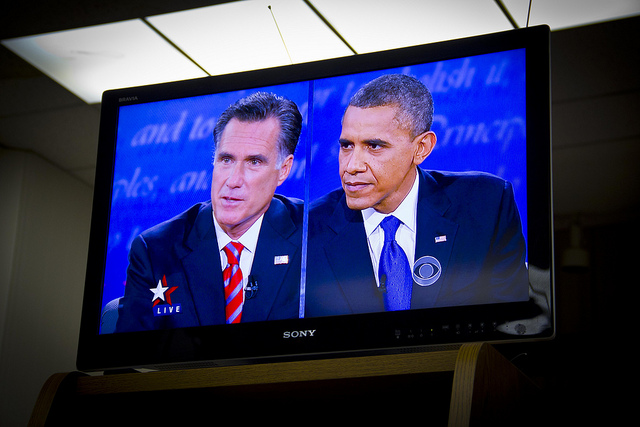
{"x":252,"y":288}
{"x":383,"y":284}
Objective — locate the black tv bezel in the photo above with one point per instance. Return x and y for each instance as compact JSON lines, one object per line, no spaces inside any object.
{"x":336,"y":335}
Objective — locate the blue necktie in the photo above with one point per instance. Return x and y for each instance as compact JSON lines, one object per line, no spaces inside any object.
{"x":394,"y":271}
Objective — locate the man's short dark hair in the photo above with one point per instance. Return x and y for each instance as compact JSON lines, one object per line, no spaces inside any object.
{"x":408,"y":94}
{"x":261,"y":106}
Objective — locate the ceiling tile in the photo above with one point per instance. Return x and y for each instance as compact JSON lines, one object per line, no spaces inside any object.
{"x":253,"y":34}
{"x":89,"y":60}
{"x":558,"y":14}
{"x":248,"y":35}
{"x":380,"y":25}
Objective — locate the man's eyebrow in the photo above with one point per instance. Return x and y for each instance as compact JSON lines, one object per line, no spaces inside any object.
{"x":221,"y":154}
{"x":373,"y":141}
{"x":376,"y":141}
{"x":259,"y":157}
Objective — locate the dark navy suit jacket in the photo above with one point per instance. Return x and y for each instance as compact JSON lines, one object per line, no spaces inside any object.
{"x":481,"y":256}
{"x":184,"y":251}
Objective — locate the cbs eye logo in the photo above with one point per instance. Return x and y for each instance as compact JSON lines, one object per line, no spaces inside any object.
{"x":426,"y":271}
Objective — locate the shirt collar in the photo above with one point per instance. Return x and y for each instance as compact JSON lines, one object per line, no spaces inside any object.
{"x":405,"y":212}
{"x":249,"y":239}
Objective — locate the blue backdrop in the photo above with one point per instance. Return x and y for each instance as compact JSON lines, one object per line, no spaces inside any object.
{"x":164,"y":149}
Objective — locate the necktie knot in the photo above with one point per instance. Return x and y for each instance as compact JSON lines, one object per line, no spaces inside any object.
{"x":233,"y":250}
{"x":390,"y":226}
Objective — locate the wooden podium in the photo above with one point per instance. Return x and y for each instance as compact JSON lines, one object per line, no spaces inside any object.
{"x":474,"y":385}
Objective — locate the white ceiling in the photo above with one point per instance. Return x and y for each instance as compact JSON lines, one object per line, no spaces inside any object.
{"x":251,"y":34}
{"x":39,"y":114}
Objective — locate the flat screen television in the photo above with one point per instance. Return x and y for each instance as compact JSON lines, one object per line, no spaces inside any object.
{"x":491,"y":97}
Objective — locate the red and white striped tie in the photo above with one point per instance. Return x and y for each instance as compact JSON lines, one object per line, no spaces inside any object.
{"x":232,"y":276}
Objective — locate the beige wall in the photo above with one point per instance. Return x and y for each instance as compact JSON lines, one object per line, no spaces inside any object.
{"x":44,"y":232}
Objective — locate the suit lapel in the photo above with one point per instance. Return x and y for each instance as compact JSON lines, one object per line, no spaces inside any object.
{"x":348,"y":255}
{"x":266,"y":270}
{"x":354,"y":273}
{"x":201,"y":263}
{"x":435,"y":237}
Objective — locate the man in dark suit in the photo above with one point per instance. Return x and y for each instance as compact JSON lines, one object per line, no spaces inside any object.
{"x":237,"y":257}
{"x":397,"y":237}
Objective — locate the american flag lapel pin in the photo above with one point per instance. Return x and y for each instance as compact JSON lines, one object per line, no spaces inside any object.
{"x":441,"y":239}
{"x":281,"y":259}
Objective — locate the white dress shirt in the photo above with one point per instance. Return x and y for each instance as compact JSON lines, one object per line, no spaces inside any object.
{"x":406,"y":234}
{"x":249,"y":240}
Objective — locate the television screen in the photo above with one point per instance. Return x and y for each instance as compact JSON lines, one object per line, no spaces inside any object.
{"x":393,"y":201}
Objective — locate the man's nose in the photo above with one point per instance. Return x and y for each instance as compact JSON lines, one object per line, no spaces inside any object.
{"x":356,"y":162}
{"x":236,"y":176}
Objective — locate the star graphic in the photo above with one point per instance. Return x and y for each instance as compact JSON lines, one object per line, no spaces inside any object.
{"x":158,"y":291}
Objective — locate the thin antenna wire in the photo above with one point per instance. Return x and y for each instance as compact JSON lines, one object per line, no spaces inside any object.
{"x":174,"y":45}
{"x":529,"y":13}
{"x":281,"y":38}
{"x":328,"y":24}
{"x":506,"y":13}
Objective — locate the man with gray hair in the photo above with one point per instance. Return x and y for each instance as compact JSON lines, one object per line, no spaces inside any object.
{"x":237,"y":257}
{"x":396,"y":236}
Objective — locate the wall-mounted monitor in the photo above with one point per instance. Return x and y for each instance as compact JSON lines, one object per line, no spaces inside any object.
{"x":452,"y":139}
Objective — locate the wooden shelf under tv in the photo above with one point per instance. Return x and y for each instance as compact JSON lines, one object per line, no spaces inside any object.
{"x":472,"y":385}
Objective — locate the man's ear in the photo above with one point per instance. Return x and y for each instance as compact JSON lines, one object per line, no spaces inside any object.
{"x":285,"y":169}
{"x":425,"y":143}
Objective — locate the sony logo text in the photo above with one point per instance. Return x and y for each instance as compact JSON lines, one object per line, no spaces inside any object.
{"x":299,"y":334}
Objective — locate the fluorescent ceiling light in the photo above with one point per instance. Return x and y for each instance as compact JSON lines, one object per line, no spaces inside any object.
{"x":88,"y":61}
{"x":375,"y":25}
{"x":558,"y":14}
{"x":254,"y":34}
{"x":248,"y":35}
